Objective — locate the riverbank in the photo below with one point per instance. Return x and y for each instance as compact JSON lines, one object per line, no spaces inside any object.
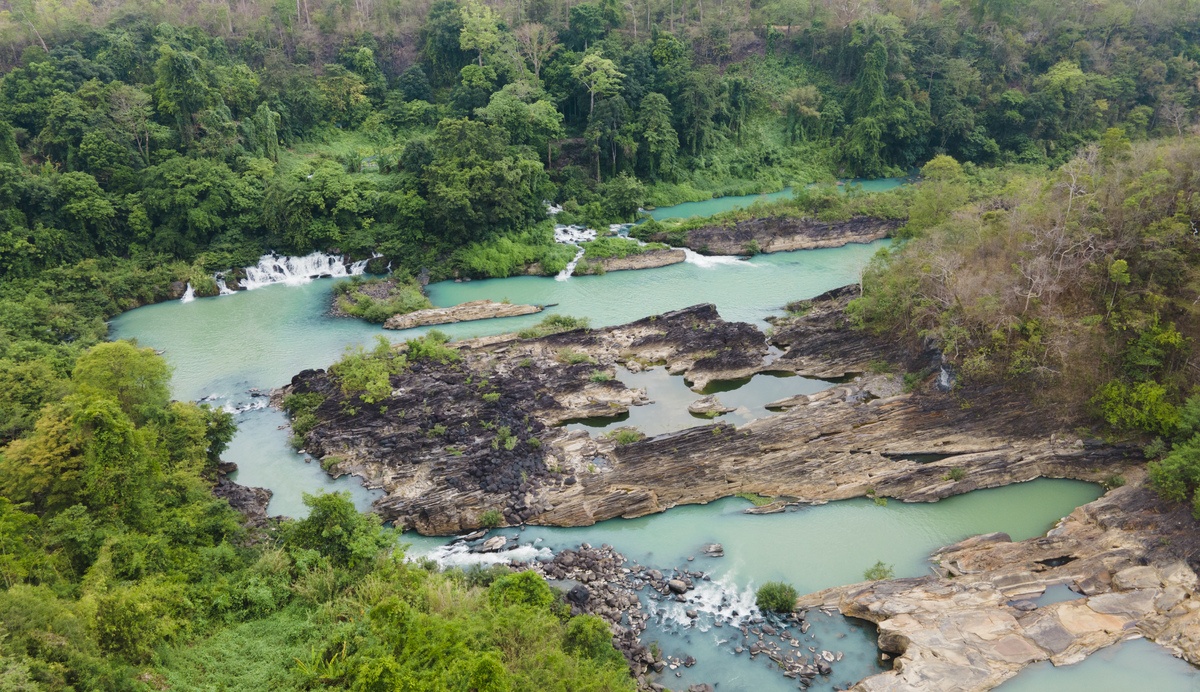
{"x":453,"y":443}
{"x":982,"y":617}
{"x":782,"y":233}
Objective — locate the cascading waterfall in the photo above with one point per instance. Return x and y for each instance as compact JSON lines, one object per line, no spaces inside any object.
{"x":570,"y":268}
{"x":573,"y":236}
{"x":188,"y":295}
{"x":275,"y":269}
{"x":222,"y":289}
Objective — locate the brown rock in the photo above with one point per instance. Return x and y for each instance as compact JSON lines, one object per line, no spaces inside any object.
{"x":464,"y":312}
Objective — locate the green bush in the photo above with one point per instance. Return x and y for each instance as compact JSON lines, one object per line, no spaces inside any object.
{"x":776,"y":596}
{"x":878,"y":572}
{"x":401,"y":295}
{"x":432,"y":346}
{"x":367,"y":374}
{"x":491,"y":519}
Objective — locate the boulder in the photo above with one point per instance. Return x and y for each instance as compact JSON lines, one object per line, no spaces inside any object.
{"x":708,"y":406}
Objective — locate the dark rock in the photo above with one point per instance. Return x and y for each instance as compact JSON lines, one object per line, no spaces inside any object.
{"x":579,"y":595}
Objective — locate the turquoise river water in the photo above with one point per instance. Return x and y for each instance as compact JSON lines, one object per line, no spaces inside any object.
{"x":229,"y":350}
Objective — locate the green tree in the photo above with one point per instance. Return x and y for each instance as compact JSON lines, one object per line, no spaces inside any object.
{"x":181,"y":88}
{"x":600,"y":75}
{"x":659,"y":141}
{"x":336,"y":530}
{"x":942,"y":190}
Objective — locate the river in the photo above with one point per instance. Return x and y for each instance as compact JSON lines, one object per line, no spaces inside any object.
{"x":223,"y":349}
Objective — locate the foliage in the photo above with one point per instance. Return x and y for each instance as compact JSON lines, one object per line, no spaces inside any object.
{"x":553,"y":324}
{"x":431,"y":346}
{"x":756,"y":499}
{"x":367,"y":374}
{"x":625,"y":436}
{"x":616,"y":247}
{"x":878,"y":572}
{"x":776,"y":596}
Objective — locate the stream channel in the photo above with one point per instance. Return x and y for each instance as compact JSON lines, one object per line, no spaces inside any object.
{"x":230,"y":350}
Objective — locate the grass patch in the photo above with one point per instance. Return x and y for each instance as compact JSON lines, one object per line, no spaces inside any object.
{"x":756,"y":499}
{"x":879,"y":571}
{"x":626,"y":436}
{"x":553,"y":324}
{"x":616,"y":248}
{"x":570,"y":356}
{"x":599,"y":376}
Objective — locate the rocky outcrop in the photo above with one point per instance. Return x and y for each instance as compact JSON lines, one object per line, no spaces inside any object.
{"x":456,"y":440}
{"x":649,"y":259}
{"x":250,"y":501}
{"x":973,"y":625}
{"x":463,"y":312}
{"x":784,"y":233}
{"x":709,"y":406}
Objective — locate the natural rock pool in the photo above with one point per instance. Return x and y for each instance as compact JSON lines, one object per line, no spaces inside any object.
{"x":224,"y":348}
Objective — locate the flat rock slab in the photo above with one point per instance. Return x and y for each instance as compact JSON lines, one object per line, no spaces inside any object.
{"x":464,"y":312}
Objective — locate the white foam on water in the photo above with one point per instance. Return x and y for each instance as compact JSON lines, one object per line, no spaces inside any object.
{"x":570,"y":268}
{"x":460,"y":555}
{"x":294,"y":271}
{"x":706,"y":262}
{"x":222,"y":289}
{"x":188,"y":295}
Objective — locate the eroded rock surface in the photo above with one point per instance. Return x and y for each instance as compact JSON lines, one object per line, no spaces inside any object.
{"x":454,"y":441}
{"x":973,"y":626}
{"x":463,"y":312}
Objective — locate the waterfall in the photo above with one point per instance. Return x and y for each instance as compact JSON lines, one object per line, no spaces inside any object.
{"x":222,"y":289}
{"x":573,"y":236}
{"x":705,"y":262}
{"x":570,"y":268}
{"x":274,"y":269}
{"x":189,"y":295}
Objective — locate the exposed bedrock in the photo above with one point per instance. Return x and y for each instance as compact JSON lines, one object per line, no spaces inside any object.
{"x":782,"y":233}
{"x":463,"y":312}
{"x":456,"y":441}
{"x":974,"y":625}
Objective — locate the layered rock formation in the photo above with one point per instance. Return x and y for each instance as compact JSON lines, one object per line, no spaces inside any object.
{"x":649,"y":259}
{"x":784,"y":233}
{"x":454,"y":441}
{"x":973,"y":626}
{"x":463,"y":312}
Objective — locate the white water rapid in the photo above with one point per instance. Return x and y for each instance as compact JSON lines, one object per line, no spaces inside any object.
{"x":189,"y":295}
{"x":274,"y":269}
{"x":573,"y":236}
{"x":706,"y":262}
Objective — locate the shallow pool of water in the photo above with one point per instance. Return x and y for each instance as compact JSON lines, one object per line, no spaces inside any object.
{"x":670,"y":397}
{"x":1133,"y":666}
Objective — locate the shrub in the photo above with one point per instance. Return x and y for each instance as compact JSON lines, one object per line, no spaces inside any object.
{"x":588,"y":636}
{"x":522,"y":588}
{"x":432,"y":346}
{"x":599,"y":376}
{"x":491,"y":397}
{"x":776,"y":596}
{"x":368,"y":373}
{"x":491,"y":519}
{"x":955,"y":474}
{"x":878,"y":572}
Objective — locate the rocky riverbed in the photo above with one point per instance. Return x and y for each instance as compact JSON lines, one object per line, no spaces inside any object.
{"x":455,"y":441}
{"x":649,"y":259}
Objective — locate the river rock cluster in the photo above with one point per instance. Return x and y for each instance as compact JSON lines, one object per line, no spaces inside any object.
{"x":601,"y":586}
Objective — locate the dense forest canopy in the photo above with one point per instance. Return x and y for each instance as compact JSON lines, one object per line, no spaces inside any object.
{"x":143,"y":144}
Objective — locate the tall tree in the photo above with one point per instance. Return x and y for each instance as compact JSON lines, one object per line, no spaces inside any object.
{"x":599,"y":75}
